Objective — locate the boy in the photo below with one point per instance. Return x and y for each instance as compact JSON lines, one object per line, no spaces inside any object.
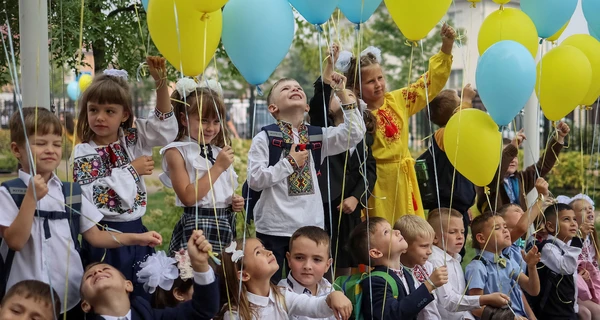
{"x":515,"y":185}
{"x":373,"y":241}
{"x":30,"y":299}
{"x":40,"y":228}
{"x":290,"y":191}
{"x":558,"y":265}
{"x":308,"y":260}
{"x":491,"y":271}
{"x":451,"y":302}
{"x":105,"y":291}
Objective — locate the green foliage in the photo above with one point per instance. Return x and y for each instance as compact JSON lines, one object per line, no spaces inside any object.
{"x":575,"y":173}
{"x":162,"y":215}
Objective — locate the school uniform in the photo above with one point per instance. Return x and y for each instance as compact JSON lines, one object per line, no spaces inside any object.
{"x":420,"y":274}
{"x":324,"y":288}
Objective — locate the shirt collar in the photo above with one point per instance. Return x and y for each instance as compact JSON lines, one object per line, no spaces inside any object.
{"x":487,"y":255}
{"x":300,"y":289}
{"x":447,"y":256}
{"x":260,"y":300}
{"x":127,"y":316}
{"x":25,"y":177}
{"x":556,"y":241}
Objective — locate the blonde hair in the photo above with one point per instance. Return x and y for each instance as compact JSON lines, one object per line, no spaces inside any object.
{"x":442,"y":215}
{"x":352,"y":75}
{"x":413,"y":227}
{"x":594,"y":233}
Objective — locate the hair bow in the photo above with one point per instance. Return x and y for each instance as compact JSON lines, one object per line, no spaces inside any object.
{"x":236,"y":255}
{"x":345,"y":57}
{"x":158,"y":271}
{"x":117,"y":73}
{"x":185,"y":86}
{"x":213,"y":85}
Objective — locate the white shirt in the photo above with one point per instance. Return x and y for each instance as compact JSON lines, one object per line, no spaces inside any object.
{"x":452,"y":302}
{"x":430,"y":312}
{"x":294,"y":304}
{"x":277,"y":213}
{"x":564,"y":264}
{"x":120,"y":193}
{"x":41,"y":257}
{"x":197,"y":166}
{"x":324,"y":288}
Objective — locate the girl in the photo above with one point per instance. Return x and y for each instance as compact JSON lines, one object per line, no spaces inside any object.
{"x":198,"y":166}
{"x":259,"y":298}
{"x":354,"y":197}
{"x":113,"y":156}
{"x":396,"y":192}
{"x":169,"y":280}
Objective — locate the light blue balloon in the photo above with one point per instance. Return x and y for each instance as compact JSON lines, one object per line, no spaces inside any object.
{"x":257,"y":35}
{"x":505,"y":78}
{"x":315,"y":11}
{"x":145,"y":4}
{"x":549,"y":15}
{"x":593,"y":33}
{"x":73,"y":90}
{"x":591,"y":11}
{"x":358,"y":11}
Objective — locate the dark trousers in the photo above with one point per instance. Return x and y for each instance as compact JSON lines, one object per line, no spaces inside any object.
{"x":279,"y":246}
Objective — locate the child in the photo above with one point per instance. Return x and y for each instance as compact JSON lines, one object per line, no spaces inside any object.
{"x":30,"y":299}
{"x":396,"y":191}
{"x":169,"y":280}
{"x":308,"y":260}
{"x":105,"y":291}
{"x":345,"y":209}
{"x":291,"y":197}
{"x":451,"y":302}
{"x":253,"y":266}
{"x":40,"y":227}
{"x":198,"y":166}
{"x":113,"y":157}
{"x":491,"y":271}
{"x":515,"y":184}
{"x":374,"y":242}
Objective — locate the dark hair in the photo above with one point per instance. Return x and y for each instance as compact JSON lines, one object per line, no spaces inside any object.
{"x":104,"y":89}
{"x":442,"y":107}
{"x":91,"y":265}
{"x":358,"y":245}
{"x":552,"y":211}
{"x":204,"y":99}
{"x":38,"y":121}
{"x":162,"y":299}
{"x":352,"y":75}
{"x":504,"y":208}
{"x":37,"y":290}
{"x":478,"y":224}
{"x":69,"y":122}
{"x":277,"y":83}
{"x":506,"y":141}
{"x":315,"y":234}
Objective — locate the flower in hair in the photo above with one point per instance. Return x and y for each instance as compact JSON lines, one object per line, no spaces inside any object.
{"x":236,"y":255}
{"x":213,"y":85}
{"x":158,"y":271}
{"x":185,"y":86}
{"x":184,"y":264}
{"x":117,"y":73}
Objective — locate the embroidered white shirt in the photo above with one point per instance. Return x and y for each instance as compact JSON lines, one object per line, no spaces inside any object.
{"x":324,"y":288}
{"x":430,"y":312}
{"x":48,"y":260}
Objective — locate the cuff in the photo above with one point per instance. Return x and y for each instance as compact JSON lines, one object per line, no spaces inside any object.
{"x":204,"y":278}
{"x":134,"y":173}
{"x":350,"y":106}
{"x":163,"y":116}
{"x":292,"y":161}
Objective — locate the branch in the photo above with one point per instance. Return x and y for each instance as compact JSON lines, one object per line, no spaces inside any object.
{"x":130,"y":8}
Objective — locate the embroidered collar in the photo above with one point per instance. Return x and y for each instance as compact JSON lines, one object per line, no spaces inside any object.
{"x":260,"y":300}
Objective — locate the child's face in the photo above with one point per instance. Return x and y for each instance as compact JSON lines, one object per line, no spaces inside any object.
{"x":567,"y":225}
{"x":387,"y":241}
{"x":583,"y":211}
{"x":46,"y":150}
{"x":20,"y":308}
{"x":210,"y":128}
{"x":286,"y":98}
{"x":496,"y":231}
{"x":418,"y":251}
{"x":512,"y":216}
{"x":454,"y":235}
{"x":259,"y":263}
{"x":105,"y":120}
{"x":308,"y":261}
{"x":373,"y":83}
{"x":513,"y":166}
{"x":101,"y":278}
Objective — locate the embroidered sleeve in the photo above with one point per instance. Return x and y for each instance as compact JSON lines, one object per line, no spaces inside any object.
{"x":163,"y":116}
{"x":158,"y":130}
{"x":260,"y":175}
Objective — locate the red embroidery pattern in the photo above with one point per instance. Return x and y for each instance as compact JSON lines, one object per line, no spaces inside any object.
{"x":420,"y":273}
{"x":388,"y":123}
{"x":410,"y":94}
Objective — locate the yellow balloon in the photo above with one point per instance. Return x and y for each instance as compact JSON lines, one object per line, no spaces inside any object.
{"x":84,"y":82}
{"x":416,"y":19}
{"x":501,"y":1}
{"x":474,"y":3}
{"x":208,"y":5}
{"x":558,"y":33}
{"x":186,"y":51}
{"x":473,"y":145}
{"x":563,"y":79}
{"x":508,"y":24}
{"x":591,"y":48}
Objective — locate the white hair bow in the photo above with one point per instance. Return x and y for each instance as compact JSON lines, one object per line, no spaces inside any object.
{"x":117,"y":73}
{"x":236,"y":255}
{"x":343,"y":62}
{"x":213,"y":85}
{"x":563,"y":199}
{"x":158,"y":271}
{"x":185,"y":86}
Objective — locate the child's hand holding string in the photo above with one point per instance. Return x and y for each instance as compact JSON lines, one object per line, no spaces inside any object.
{"x":341,"y":306}
{"x":300,"y":156}
{"x":144,"y":165}
{"x":518,"y":139}
{"x":541,"y":185}
{"x":448,"y":36}
{"x":198,"y":250}
{"x":158,"y":69}
{"x":225,"y":158}
{"x":586,"y":228}
{"x":562,"y":130}
{"x":496,"y":300}
{"x":532,"y":257}
{"x":40,"y":186}
{"x":148,"y":239}
{"x":237,"y":203}
{"x":330,"y":62}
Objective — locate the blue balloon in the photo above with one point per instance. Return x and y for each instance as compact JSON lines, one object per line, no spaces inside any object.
{"x":315,"y":11}
{"x":591,"y":11}
{"x":358,"y":11}
{"x":505,"y":78}
{"x":549,"y":15}
{"x":73,"y":90}
{"x":145,"y":4}
{"x":257,"y":35}
{"x":593,"y":33}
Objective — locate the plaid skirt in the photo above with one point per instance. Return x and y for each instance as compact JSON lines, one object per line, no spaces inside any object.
{"x":222,"y":227}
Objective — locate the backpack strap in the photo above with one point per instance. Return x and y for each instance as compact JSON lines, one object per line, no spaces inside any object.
{"x":389,"y":279}
{"x":315,"y":136}
{"x":72,"y":194}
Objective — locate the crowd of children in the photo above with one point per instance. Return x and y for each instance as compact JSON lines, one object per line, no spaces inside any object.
{"x":327,"y":196}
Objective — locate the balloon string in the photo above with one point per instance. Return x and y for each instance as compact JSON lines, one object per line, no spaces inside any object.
{"x":139,"y":23}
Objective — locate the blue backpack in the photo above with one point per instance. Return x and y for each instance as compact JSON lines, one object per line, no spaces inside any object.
{"x":350,"y":286}
{"x":17,"y":189}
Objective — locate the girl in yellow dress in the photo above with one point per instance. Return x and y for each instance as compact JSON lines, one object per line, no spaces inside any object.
{"x":396,"y":191}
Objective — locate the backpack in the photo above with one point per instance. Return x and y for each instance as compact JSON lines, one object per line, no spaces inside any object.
{"x":17,"y":189}
{"x":350,"y":286}
{"x":276,"y":147}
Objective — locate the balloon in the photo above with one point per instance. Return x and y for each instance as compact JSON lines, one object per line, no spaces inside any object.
{"x":84,"y":81}
{"x":508,"y":24}
{"x":358,"y":11}
{"x":559,"y":33}
{"x":207,"y":6}
{"x":473,"y":145}
{"x":549,"y":15}
{"x":591,"y":9}
{"x":145,"y":4}
{"x":591,"y":48}
{"x":257,"y":35}
{"x":73,"y":90}
{"x":315,"y":11}
{"x":192,"y":57}
{"x":564,"y":77}
{"x":474,"y":3}
{"x":416,"y":19}
{"x":502,"y":2}
{"x":505,"y":79}
{"x":593,"y":33}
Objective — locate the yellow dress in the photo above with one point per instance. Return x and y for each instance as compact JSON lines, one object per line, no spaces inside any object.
{"x":396,"y":192}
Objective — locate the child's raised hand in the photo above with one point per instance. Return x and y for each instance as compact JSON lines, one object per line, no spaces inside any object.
{"x":198,"y":249}
{"x":299,"y":156}
{"x":532,"y":257}
{"x":439,"y":276}
{"x":541,"y":185}
{"x":518,"y":139}
{"x":341,"y":306}
{"x":143,"y":165}
{"x":237,"y":203}
{"x":149,"y":239}
{"x":158,"y":68}
{"x":496,"y":300}
{"x":40,"y":186}
{"x":328,"y":71}
{"x":468,"y":93}
{"x":562,"y":129}
{"x":448,"y":35}
{"x":338,"y":81}
{"x":584,"y":274}
{"x":225,"y":158}
{"x":586,"y":228}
